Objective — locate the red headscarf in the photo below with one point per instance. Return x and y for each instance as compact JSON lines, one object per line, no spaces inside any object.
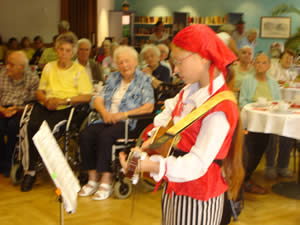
{"x":203,"y":40}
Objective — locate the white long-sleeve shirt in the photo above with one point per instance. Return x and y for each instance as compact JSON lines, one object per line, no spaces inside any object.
{"x":212,"y":134}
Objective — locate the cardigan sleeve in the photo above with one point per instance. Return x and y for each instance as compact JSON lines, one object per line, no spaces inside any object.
{"x":244,"y":93}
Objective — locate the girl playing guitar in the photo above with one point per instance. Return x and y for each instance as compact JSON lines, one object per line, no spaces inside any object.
{"x":195,"y":187}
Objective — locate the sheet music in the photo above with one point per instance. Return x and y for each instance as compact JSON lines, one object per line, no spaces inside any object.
{"x":57,"y":166}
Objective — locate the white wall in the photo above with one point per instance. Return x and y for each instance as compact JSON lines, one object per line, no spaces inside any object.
{"x":20,"y":18}
{"x":103,"y":29}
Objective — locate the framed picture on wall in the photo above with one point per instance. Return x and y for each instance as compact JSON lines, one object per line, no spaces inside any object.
{"x":275,"y":27}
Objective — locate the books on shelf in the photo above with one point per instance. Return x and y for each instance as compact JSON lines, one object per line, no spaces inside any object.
{"x":147,"y":31}
{"x":208,"y":20}
{"x":153,"y":19}
{"x":144,"y":25}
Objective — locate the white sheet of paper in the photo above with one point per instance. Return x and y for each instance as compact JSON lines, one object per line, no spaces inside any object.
{"x":57,"y":166}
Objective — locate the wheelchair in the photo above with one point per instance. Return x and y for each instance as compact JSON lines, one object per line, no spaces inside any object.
{"x":165,"y":91}
{"x":66,"y":133}
{"x":122,"y":185}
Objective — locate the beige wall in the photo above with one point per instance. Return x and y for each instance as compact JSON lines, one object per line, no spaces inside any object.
{"x":20,"y":18}
{"x":103,"y":8}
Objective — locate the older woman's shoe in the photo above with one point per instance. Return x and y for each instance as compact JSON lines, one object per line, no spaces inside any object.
{"x":28,"y":182}
{"x":88,"y":189}
{"x":103,"y":193}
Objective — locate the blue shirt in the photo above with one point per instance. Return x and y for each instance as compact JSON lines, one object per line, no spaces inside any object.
{"x":139,"y":92}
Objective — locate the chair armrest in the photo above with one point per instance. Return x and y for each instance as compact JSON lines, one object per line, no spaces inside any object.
{"x":142,"y":116}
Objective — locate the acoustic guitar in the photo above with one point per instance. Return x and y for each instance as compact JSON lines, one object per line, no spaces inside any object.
{"x":164,"y":150}
{"x":164,"y":137}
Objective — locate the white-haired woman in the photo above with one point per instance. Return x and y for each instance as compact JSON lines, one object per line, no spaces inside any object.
{"x":126,"y":93}
{"x":151,"y":55}
{"x":244,"y":67}
{"x":63,"y":83}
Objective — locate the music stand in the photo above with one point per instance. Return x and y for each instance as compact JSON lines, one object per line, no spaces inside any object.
{"x":58,"y":168}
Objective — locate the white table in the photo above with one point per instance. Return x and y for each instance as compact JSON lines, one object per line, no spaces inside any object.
{"x":265,"y":120}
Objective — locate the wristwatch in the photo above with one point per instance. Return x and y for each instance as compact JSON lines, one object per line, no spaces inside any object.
{"x":68,"y":101}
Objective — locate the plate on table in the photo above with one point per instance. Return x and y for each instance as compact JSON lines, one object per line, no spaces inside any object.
{"x":260,"y":105}
{"x":281,"y":111}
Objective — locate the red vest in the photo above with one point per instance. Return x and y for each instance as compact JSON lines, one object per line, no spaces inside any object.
{"x":211,"y":184}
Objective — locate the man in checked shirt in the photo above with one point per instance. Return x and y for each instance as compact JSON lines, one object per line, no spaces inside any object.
{"x":17,"y":87}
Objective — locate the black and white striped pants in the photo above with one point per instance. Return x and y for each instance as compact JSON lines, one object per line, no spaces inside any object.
{"x":184,"y":210}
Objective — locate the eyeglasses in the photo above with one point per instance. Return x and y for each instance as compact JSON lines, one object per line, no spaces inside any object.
{"x":180,"y":61}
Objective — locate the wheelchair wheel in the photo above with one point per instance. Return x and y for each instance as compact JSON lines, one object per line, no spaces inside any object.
{"x":16,"y":174}
{"x":123,"y":189}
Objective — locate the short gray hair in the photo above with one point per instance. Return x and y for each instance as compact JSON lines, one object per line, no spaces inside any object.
{"x":68,"y":37}
{"x":165,"y":47}
{"x":127,"y":49}
{"x":86,"y":41}
{"x":246,"y":46}
{"x":262,"y":54}
{"x":148,"y":47}
{"x":23,"y":57}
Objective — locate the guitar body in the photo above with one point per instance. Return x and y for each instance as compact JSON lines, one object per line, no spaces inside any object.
{"x":164,"y":150}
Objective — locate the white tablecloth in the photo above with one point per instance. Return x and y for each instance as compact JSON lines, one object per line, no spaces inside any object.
{"x":267,"y":120}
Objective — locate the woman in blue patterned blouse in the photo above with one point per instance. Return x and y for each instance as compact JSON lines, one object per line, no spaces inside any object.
{"x":126,"y":93}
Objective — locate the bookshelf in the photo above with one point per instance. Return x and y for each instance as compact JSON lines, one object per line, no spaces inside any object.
{"x":144,"y":27}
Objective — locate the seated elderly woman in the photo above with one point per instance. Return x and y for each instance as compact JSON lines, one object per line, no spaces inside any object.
{"x":126,"y":93}
{"x":254,"y":86}
{"x":282,"y":71}
{"x":259,"y":84}
{"x":244,"y":67}
{"x":159,"y":73}
{"x":63,"y":83}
